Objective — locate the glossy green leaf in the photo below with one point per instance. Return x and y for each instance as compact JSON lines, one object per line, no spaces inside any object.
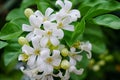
{"x":3,"y":44}
{"x":20,"y":21}
{"x":42,"y":6}
{"x":11,"y":52}
{"x":87,"y":4}
{"x":108,"y":20}
{"x":10,"y":31}
{"x":105,"y":7}
{"x":15,"y":13}
{"x":79,"y":29}
{"x":27,"y":3}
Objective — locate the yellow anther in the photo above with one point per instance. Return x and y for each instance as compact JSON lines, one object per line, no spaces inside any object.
{"x":49,"y":60}
{"x":37,"y":52}
{"x":25,"y":57}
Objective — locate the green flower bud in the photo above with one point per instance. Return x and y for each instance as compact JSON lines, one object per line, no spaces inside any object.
{"x":109,"y":58}
{"x":65,"y":64}
{"x":101,"y":63}
{"x":22,"y":41}
{"x":28,"y":12}
{"x":64,"y":52}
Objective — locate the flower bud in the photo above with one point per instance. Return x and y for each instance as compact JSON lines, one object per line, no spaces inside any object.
{"x":96,"y":67}
{"x":65,"y":64}
{"x":28,"y":12}
{"x":22,"y":41}
{"x":64,"y":52}
{"x":101,"y":63}
{"x":109,"y":58}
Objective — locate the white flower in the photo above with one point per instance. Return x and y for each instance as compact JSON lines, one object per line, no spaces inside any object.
{"x":74,"y":56}
{"x":86,"y":46}
{"x":34,"y":52}
{"x":66,"y":9}
{"x":32,"y":73}
{"x":64,"y":24}
{"x":47,"y":62}
{"x":48,"y":15}
{"x":35,"y":23}
{"x":51,"y":34}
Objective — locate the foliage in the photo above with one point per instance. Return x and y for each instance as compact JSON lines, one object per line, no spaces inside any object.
{"x":96,"y":17}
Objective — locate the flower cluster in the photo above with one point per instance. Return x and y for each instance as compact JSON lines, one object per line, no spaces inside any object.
{"x":43,"y":52}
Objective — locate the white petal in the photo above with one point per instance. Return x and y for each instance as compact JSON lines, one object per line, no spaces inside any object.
{"x":78,"y":57}
{"x":68,"y":5}
{"x":27,"y":28}
{"x":54,"y":41}
{"x":38,"y":13}
{"x":27,"y":49}
{"x":44,"y":41}
{"x":68,"y":27}
{"x":31,"y":61}
{"x":20,"y":57}
{"x":67,"y":21}
{"x":89,"y":55}
{"x":57,"y":58}
{"x":48,"y":12}
{"x":52,"y":17}
{"x":72,"y":61}
{"x":78,"y":72}
{"x":38,"y":32}
{"x":35,"y":21}
{"x":36,"y":42}
{"x":48,"y":69}
{"x":30,"y":36}
{"x":45,"y":54}
{"x":58,"y":33}
{"x":72,"y":49}
{"x":75,"y":12}
{"x":60,"y":3}
{"x":48,"y":25}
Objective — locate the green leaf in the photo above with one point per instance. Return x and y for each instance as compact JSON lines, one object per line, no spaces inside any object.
{"x":11,"y":52}
{"x":10,"y":31}
{"x":3,"y":44}
{"x":9,"y":57}
{"x":15,"y":13}
{"x":20,"y":21}
{"x":105,"y":7}
{"x":108,"y":20}
{"x":87,"y":4}
{"x":79,"y":29}
{"x":42,"y":6}
{"x":27,"y":3}
{"x":98,"y":47}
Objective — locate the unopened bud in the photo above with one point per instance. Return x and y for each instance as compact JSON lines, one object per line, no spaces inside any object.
{"x":22,"y":41}
{"x":109,"y":58}
{"x":101,"y":63}
{"x":64,"y":52}
{"x":28,"y":12}
{"x":65,"y":64}
{"x":96,"y":67}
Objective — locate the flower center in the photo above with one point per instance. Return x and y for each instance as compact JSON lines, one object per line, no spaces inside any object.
{"x":49,"y":33}
{"x":37,"y":52}
{"x":49,"y":60}
{"x":45,"y":19}
{"x":25,"y":57}
{"x":60,"y":25}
